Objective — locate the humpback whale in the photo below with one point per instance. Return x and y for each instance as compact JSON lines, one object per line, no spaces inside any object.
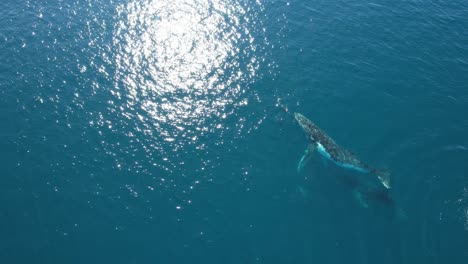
{"x":330,"y":150}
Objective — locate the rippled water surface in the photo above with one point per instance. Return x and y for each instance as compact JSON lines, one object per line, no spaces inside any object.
{"x":155,"y":131}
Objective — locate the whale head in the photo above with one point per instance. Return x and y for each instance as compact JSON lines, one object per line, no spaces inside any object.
{"x":307,"y":126}
{"x":303,"y":122}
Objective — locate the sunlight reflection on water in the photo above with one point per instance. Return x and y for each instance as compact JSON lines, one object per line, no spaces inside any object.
{"x":183,"y":63}
{"x":183,"y":68}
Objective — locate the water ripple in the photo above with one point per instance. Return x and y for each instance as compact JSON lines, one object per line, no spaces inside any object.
{"x":183,"y":67}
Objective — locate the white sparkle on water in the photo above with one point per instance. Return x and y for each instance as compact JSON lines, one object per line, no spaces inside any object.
{"x":180,"y":62}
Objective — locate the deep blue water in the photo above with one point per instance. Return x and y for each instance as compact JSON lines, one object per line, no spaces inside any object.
{"x":149,"y":131}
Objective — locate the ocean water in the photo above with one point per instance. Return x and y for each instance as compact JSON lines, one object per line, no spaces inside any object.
{"x":154,"y":131}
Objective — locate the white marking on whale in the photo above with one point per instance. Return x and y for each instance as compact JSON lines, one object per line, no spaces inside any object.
{"x":327,"y":155}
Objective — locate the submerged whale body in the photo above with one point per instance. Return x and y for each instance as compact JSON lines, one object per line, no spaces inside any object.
{"x":330,"y":150}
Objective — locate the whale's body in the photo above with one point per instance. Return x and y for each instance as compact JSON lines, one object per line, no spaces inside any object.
{"x":330,"y":150}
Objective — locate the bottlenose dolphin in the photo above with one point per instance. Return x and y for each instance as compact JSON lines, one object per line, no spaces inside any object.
{"x":330,"y":150}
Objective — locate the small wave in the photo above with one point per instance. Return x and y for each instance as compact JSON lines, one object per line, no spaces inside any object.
{"x":455,"y":148}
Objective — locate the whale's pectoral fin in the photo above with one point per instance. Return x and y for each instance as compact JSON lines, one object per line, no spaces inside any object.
{"x":302,"y":192}
{"x":306,"y":157}
{"x":361,"y":200}
{"x":384,"y":177}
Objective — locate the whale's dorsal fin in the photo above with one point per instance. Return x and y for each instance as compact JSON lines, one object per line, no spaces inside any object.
{"x":306,"y":157}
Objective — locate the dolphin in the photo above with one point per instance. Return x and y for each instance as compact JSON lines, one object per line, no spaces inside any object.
{"x":330,"y":150}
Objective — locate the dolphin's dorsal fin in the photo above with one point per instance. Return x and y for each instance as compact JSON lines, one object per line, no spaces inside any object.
{"x":306,"y":157}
